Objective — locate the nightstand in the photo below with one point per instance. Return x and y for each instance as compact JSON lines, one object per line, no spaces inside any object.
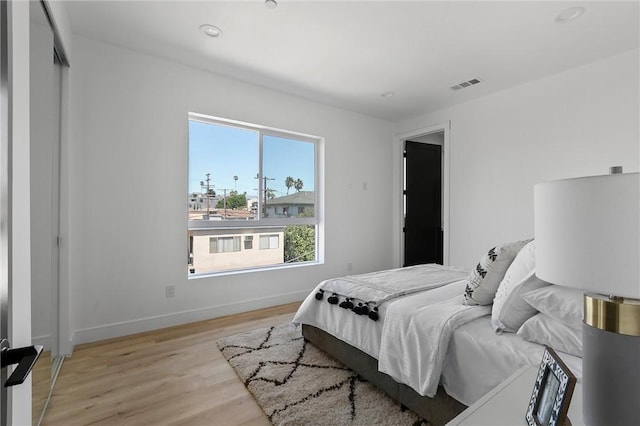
{"x":506,"y":404}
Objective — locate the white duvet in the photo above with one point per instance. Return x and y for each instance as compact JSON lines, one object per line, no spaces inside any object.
{"x":415,"y":341}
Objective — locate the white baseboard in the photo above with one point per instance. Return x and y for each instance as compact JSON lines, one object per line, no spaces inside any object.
{"x":94,"y":334}
{"x":45,"y":341}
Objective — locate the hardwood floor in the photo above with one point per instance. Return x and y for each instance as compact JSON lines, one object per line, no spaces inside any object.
{"x":173,"y":376}
{"x":40,"y":385}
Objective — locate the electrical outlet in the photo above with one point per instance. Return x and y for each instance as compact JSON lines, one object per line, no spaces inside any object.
{"x":170,"y":291}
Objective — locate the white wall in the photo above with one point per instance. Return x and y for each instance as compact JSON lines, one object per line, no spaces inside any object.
{"x":576,"y":123}
{"x":128,"y":150}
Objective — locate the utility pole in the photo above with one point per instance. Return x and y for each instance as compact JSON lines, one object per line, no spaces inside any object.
{"x":224,"y":200}
{"x":207,"y":188}
{"x":266,"y":191}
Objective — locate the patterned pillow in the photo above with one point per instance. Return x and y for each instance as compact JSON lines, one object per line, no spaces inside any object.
{"x":484,"y":280}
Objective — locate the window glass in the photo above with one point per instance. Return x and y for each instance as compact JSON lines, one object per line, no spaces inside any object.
{"x":269,"y":242}
{"x":224,"y":244}
{"x":223,"y":165}
{"x":247,"y":184}
{"x":289,"y":177}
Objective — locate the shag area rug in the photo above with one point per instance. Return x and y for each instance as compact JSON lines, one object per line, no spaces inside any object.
{"x":295,"y":383}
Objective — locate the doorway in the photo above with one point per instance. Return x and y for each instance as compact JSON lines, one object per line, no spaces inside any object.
{"x":425,"y":196}
{"x":423,"y":202}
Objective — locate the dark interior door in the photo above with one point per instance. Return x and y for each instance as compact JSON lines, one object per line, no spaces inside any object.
{"x":423,"y":204}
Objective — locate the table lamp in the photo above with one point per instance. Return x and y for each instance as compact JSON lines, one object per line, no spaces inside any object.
{"x":587,"y":233}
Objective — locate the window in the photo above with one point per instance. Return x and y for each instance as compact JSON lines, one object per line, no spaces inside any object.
{"x":224,"y":244}
{"x":269,"y":242}
{"x":248,"y":242}
{"x":248,"y":182}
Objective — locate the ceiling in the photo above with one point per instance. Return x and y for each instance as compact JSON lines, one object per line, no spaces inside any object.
{"x":347,"y":54}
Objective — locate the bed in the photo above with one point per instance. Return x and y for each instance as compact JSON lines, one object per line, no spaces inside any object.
{"x":426,"y":339}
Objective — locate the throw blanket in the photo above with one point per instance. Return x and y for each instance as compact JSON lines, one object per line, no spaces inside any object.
{"x":364,"y":293}
{"x":414,"y":344}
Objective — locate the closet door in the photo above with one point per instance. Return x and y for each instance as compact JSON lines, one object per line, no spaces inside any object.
{"x":45,"y":93}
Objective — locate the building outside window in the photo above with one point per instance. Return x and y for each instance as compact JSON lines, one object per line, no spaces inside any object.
{"x":247,"y":183}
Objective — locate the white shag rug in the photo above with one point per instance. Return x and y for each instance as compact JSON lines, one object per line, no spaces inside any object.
{"x":295,"y":383}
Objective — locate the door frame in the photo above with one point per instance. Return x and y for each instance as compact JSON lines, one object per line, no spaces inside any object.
{"x":398,"y":214}
{"x":5,"y":196}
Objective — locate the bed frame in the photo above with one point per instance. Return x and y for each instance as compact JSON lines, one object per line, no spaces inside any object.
{"x":437,"y":410}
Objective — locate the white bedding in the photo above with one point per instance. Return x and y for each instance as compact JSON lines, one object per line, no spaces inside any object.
{"x":478,"y":359}
{"x":359,"y":331}
{"x":381,"y":286}
{"x":343,"y":324}
{"x":415,"y":340}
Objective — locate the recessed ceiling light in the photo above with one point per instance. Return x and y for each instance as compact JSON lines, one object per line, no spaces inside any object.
{"x":569,"y":15}
{"x":210,"y":30}
{"x":271,"y":4}
{"x":388,"y":94}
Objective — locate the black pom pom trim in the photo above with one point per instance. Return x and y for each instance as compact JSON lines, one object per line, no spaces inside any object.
{"x":333,"y":299}
{"x":360,"y":309}
{"x":319,"y":294}
{"x":374,"y":314}
{"x":346,"y":304}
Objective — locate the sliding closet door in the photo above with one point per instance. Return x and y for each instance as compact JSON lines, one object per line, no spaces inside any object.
{"x":44,"y":173}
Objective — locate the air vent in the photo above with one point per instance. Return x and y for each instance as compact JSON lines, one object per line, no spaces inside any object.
{"x":466,"y":84}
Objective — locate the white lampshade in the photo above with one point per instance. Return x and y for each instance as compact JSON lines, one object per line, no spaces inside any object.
{"x":587,"y":233}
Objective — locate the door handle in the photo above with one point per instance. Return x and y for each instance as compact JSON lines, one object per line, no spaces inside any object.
{"x":25,"y":357}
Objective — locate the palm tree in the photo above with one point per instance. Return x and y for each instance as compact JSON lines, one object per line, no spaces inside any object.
{"x":235,"y":181}
{"x":298,"y":185}
{"x":289,"y":182}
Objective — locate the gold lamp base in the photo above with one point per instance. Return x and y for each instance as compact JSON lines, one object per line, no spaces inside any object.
{"x":610,"y":313}
{"x":610,"y":367}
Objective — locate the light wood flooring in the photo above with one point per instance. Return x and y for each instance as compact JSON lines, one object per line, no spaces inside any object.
{"x":41,"y":380}
{"x":173,"y":376}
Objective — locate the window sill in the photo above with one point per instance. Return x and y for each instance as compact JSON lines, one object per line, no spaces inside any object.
{"x":252,"y":270}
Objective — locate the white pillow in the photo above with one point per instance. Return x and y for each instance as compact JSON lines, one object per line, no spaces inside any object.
{"x":521,"y":267}
{"x":547,"y":331}
{"x":510,"y":310}
{"x":563,"y":304}
{"x":485,"y":278}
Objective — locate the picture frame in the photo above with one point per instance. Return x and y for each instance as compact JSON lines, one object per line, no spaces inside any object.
{"x":552,"y":392}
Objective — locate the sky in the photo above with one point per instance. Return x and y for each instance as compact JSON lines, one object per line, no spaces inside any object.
{"x":225,"y":152}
